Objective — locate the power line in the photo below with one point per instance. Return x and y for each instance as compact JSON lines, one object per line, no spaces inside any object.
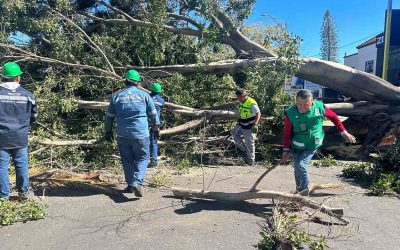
{"x":365,"y":38}
{"x":360,"y":40}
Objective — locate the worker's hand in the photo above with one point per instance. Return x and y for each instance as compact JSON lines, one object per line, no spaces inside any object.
{"x":156,"y":130}
{"x":255,"y":129}
{"x":285,"y":156}
{"x":348,"y":137}
{"x":109,"y":136}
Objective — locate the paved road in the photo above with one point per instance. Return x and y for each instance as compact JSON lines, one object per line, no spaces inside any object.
{"x":80,"y":220}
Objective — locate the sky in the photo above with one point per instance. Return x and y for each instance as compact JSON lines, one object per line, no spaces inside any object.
{"x":356,"y":20}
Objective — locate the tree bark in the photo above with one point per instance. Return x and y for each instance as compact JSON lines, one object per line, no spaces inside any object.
{"x":357,"y":108}
{"x":351,"y":82}
{"x":184,"y":127}
{"x":225,"y":66}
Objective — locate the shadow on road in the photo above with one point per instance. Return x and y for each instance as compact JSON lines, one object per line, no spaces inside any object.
{"x":191,"y":206}
{"x":116,"y":196}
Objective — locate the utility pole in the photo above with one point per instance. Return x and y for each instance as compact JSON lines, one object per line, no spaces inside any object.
{"x":387,"y":40}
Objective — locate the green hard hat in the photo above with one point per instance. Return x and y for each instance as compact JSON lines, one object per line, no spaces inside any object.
{"x":156,"y":87}
{"x":11,"y":69}
{"x":132,"y":75}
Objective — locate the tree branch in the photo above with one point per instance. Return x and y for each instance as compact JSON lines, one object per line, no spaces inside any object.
{"x":35,"y":58}
{"x":184,"y":127}
{"x":241,"y":44}
{"x":103,"y":20}
{"x":80,"y":143}
{"x":187,"y":19}
{"x":104,"y":105}
{"x":84,"y":33}
{"x":260,"y":194}
{"x":226,"y":66}
{"x":138,"y":23}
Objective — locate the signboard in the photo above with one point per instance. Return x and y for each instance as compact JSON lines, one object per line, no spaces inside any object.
{"x":380,"y":40}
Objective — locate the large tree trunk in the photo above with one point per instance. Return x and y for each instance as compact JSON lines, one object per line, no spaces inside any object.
{"x":360,"y":85}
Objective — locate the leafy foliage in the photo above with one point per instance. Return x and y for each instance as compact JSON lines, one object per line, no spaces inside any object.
{"x":326,"y":161}
{"x":382,"y":176}
{"x":356,"y":171}
{"x":265,"y":83}
{"x":281,"y":229}
{"x":79,"y":70}
{"x":11,"y":212}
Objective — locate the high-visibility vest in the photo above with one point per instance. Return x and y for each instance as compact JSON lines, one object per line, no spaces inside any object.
{"x":307,"y":127}
{"x":247,"y":118}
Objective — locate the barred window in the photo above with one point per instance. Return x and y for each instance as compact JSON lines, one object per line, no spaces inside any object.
{"x":369,"y":66}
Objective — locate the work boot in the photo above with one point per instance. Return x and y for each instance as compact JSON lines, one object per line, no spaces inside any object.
{"x":305,"y":192}
{"x":137,"y":190}
{"x":26,"y":195}
{"x":128,"y":189}
{"x":153,"y":164}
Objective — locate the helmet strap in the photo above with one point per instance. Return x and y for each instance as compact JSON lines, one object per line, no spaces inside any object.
{"x":131,"y":83}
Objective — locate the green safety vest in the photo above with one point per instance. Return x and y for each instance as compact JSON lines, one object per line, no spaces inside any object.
{"x":247,"y":119}
{"x":307,"y":127}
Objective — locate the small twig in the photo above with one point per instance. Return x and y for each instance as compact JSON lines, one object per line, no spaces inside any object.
{"x":37,"y":151}
{"x":35,"y":58}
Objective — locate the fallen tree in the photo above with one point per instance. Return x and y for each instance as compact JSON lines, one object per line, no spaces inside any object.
{"x":375,"y":101}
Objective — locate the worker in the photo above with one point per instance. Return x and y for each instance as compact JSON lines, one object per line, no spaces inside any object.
{"x":156,"y":90}
{"x":246,"y":129}
{"x":133,"y":110}
{"x":304,"y":135}
{"x":17,"y":111}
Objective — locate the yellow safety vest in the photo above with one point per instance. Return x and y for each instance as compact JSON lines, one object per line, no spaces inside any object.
{"x":247,"y":118}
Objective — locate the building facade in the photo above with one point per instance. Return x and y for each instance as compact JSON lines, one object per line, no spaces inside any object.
{"x":366,"y":57}
{"x":369,"y":57}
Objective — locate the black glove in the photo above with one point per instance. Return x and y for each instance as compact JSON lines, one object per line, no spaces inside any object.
{"x":157,"y":133}
{"x":109,"y":136}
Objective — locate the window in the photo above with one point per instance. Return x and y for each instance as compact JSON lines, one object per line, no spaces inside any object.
{"x":369,"y":66}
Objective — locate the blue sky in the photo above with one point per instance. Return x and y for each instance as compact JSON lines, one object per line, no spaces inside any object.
{"x":356,"y":20}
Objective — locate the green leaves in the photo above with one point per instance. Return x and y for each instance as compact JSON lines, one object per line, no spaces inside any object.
{"x":266,"y":82}
{"x":70,"y":74}
{"x":11,"y":212}
{"x":282,"y":229}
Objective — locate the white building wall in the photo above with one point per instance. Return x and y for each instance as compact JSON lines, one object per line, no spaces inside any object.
{"x":351,"y":61}
{"x":365,"y":54}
